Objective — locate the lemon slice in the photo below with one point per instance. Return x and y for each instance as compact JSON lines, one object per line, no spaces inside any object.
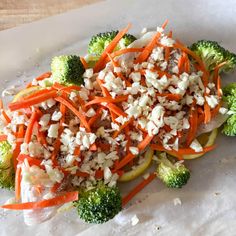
{"x":25,"y":92}
{"x":205,"y":140}
{"x":139,"y":169}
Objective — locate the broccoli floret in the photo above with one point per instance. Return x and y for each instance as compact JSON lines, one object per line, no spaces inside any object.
{"x":174,"y":175}
{"x":100,"y":204}
{"x":100,"y":41}
{"x":7,"y":174}
{"x":213,"y":54}
{"x":67,"y":69}
{"x":229,"y":96}
{"x":230,"y":126}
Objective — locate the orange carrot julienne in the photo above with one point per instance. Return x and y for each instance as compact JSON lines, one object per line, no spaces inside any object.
{"x":95,"y":117}
{"x":104,"y":90}
{"x":145,"y":142}
{"x":117,"y":99}
{"x":170,"y":96}
{"x":193,"y":121}
{"x":207,"y":113}
{"x":119,"y":74}
{"x":30,"y":127}
{"x":85,"y":64}
{"x":32,"y":101}
{"x":116,"y":109}
{"x":138,"y":188}
{"x":59,"y":200}
{"x":41,"y":77}
{"x":69,"y":105}
{"x":148,"y":49}
{"x":3,"y":137}
{"x":110,"y":48}
{"x":18,"y":183}
{"x":117,"y":132}
{"x":124,"y":51}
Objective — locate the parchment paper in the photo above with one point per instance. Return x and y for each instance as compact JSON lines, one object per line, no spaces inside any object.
{"x":209,"y":199}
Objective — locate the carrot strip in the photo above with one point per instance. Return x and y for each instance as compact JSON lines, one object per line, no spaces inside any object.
{"x":170,"y":96}
{"x":104,"y":90}
{"x":110,"y":48}
{"x":8,"y":120}
{"x":95,"y":117}
{"x":3,"y":137}
{"x":33,"y":100}
{"x":41,"y":77}
{"x":117,"y":132}
{"x":207,"y":113}
{"x":148,"y":49}
{"x":182,"y":47}
{"x":16,"y":152}
{"x":193,"y":121}
{"x":75,"y":111}
{"x":18,"y":183}
{"x":124,"y":51}
{"x":112,"y":107}
{"x":85,"y":64}
{"x":145,"y":142}
{"x":59,"y":200}
{"x":107,"y":99}
{"x":130,"y":156}
{"x":138,"y":188}
{"x":119,"y":74}
{"x":30,"y":127}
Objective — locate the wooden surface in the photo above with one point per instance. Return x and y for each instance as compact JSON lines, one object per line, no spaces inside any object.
{"x":17,"y":12}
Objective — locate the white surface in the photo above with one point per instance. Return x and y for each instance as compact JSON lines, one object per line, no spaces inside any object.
{"x":26,"y":52}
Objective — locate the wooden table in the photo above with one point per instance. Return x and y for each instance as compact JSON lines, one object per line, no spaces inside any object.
{"x":17,"y":12}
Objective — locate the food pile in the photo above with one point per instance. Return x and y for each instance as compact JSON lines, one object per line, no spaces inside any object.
{"x":75,"y":132}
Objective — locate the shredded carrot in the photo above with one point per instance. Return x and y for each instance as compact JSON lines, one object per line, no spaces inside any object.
{"x":138,"y":188}
{"x":207,"y":112}
{"x":41,"y":77}
{"x":104,"y":90}
{"x":17,"y":184}
{"x":59,"y":200}
{"x":117,"y":99}
{"x":16,"y":152}
{"x":117,"y":132}
{"x":148,"y":49}
{"x":124,"y":51}
{"x":3,"y":137}
{"x":98,"y":66}
{"x":85,"y":64}
{"x":145,"y":142}
{"x":193,"y":121}
{"x":119,"y":74}
{"x":30,"y":127}
{"x":25,"y":103}
{"x":116,"y":109}
{"x":93,"y":119}
{"x":170,"y":96}
{"x":77,"y":151}
{"x":69,"y":105}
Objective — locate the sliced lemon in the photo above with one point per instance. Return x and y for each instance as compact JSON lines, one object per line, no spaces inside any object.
{"x":205,"y":140}
{"x":25,"y":92}
{"x":139,"y":169}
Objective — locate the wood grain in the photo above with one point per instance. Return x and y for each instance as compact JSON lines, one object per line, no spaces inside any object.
{"x":17,"y":12}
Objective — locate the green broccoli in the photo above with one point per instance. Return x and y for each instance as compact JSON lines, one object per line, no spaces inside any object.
{"x":230,"y":126}
{"x":213,"y":54}
{"x":7,"y":174}
{"x":100,"y":41}
{"x":67,"y":69}
{"x":229,"y":96}
{"x":100,"y":204}
{"x":174,"y":175}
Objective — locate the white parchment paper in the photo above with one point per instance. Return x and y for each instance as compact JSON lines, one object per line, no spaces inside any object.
{"x":209,"y":199}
